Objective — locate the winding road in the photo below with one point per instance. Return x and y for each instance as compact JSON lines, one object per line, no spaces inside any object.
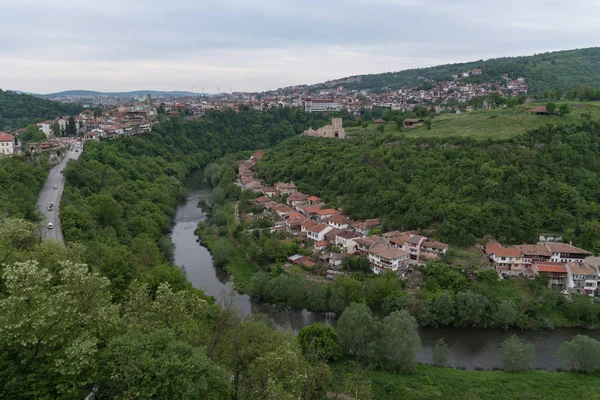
{"x":51,"y":195}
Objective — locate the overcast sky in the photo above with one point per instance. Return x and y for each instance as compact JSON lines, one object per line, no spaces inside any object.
{"x":121,"y":45}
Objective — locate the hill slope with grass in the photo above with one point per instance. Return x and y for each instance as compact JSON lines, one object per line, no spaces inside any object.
{"x":490,"y":124}
{"x":558,"y":70}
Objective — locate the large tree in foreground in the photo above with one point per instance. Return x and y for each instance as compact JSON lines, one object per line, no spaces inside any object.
{"x":157,"y":365}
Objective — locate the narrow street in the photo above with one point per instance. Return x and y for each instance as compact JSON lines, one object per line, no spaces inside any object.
{"x":49,"y":194}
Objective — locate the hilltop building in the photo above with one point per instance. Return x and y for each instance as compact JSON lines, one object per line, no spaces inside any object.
{"x":335,"y":130}
{"x":319,"y":105}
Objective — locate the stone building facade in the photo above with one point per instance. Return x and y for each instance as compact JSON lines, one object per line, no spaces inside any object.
{"x":334,"y":131}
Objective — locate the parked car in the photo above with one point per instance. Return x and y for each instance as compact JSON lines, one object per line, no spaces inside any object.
{"x":50,"y":226}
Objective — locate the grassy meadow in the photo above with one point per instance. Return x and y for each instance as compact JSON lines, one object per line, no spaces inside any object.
{"x":430,"y":382}
{"x":491,"y":124}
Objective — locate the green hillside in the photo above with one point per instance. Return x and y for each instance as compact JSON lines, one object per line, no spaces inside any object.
{"x":491,"y":124}
{"x":545,"y":180}
{"x":18,"y":110}
{"x":559,"y":70}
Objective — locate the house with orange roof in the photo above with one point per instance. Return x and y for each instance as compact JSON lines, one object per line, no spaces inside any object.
{"x":295,"y":198}
{"x":320,"y":245}
{"x":338,"y":221}
{"x":325,"y":213}
{"x":317,"y":232}
{"x":582,"y":278}
{"x":313,"y":200}
{"x":7,"y":144}
{"x":509,"y":260}
{"x":562,"y":252}
{"x":556,"y":272}
{"x":384,"y":257}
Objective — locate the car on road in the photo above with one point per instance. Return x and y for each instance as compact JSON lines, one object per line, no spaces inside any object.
{"x":55,"y":187}
{"x":50,"y":206}
{"x":50,"y":226}
{"x":76,"y":150}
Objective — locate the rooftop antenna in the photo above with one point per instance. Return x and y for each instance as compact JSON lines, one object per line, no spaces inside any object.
{"x":218,"y":89}
{"x":231,"y":89}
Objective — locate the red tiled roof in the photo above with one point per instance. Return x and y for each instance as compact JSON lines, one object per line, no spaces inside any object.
{"x":550,"y":267}
{"x":387,"y":251}
{"x":5,"y":137}
{"x":326,"y":211}
{"x":322,"y":243}
{"x":565,"y":248}
{"x":339,"y":219}
{"x":534,"y":249}
{"x":317,"y":228}
{"x":313,"y":198}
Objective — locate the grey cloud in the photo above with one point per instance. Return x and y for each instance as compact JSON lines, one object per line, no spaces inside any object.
{"x":233,"y":33}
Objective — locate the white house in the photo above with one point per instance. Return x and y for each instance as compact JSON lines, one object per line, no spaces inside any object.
{"x":317,"y":232}
{"x":384,"y":257}
{"x":338,"y":222}
{"x":507,"y":259}
{"x":45,"y":127}
{"x":345,"y":240}
{"x":562,"y":252}
{"x":7,"y":144}
{"x":582,"y":278}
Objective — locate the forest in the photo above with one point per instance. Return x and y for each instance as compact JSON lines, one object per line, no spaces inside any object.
{"x":560,"y":70}
{"x":19,"y":110}
{"x":20,"y":182}
{"x":459,"y":189}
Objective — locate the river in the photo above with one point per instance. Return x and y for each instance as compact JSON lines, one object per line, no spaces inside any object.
{"x":469,"y":348}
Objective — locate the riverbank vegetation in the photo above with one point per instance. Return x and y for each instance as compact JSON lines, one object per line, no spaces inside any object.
{"x":430,"y":382}
{"x":544,"y":180}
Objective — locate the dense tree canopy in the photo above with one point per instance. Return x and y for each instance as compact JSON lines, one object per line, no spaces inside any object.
{"x":17,"y":110}
{"x":20,"y":183}
{"x":545,"y":180}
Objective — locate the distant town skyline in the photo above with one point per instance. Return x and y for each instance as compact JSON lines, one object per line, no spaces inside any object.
{"x":119,"y":46}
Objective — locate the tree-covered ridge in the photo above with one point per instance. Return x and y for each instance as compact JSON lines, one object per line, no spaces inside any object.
{"x":20,"y":183}
{"x":559,"y":70}
{"x":546,"y":180}
{"x":17,"y":110}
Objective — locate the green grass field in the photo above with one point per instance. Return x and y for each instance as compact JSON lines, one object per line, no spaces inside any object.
{"x":491,"y":124}
{"x":466,"y":256}
{"x":445,"y":383}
